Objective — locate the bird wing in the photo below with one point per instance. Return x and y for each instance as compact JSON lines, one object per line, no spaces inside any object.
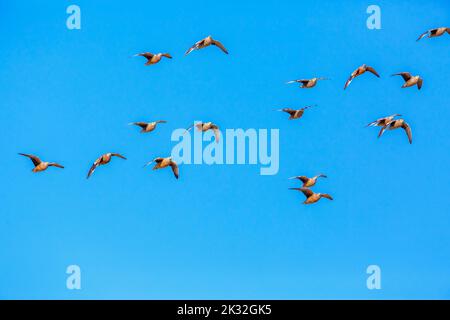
{"x":406,"y":75}
{"x":167,"y":55}
{"x":326,"y":195}
{"x":423,"y":35}
{"x":161,"y":121}
{"x":93,"y":167}
{"x":36,"y":160}
{"x":54,"y":164}
{"x":303,"y":179}
{"x":448,"y":30}
{"x":419,"y":83}
{"x":407,"y":129}
{"x":194,"y":47}
{"x":220,"y":45}
{"x":118,"y":155}
{"x":383,"y":129}
{"x":349,"y":80}
{"x":216,"y":133}
{"x":143,"y":125}
{"x":372,"y":70}
{"x":174,"y":167}
{"x":148,"y":55}
{"x":288,"y":110}
{"x":307,"y":192}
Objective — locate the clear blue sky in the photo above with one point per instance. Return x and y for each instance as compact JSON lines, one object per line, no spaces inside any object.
{"x":223,"y":231}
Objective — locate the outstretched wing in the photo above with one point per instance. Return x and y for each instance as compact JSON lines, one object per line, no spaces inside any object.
{"x":419,"y":83}
{"x":143,"y":125}
{"x":54,"y":164}
{"x":220,"y":45}
{"x":384,"y":129}
{"x":407,"y":129}
{"x":405,"y":75}
{"x":174,"y":167}
{"x":372,"y":70}
{"x":93,"y":167}
{"x":36,"y":160}
{"x":194,"y":47}
{"x":423,"y":35}
{"x":349,"y":80}
{"x":118,"y":155}
{"x":326,"y":195}
{"x":147,"y":55}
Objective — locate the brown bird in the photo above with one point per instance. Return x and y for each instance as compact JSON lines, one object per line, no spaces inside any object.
{"x":434,"y":33}
{"x":312,"y":197}
{"x":153,"y":58}
{"x":361,"y":70}
{"x":295,"y":113}
{"x":395,"y":124}
{"x":40,"y":165}
{"x":147,"y":126}
{"x":164,"y":163}
{"x":410,"y":80}
{"x":206,"y":43}
{"x":307,"y":83}
{"x":104,"y":159}
{"x":205,"y":126}
{"x":308,"y":182}
{"x":381,"y":122}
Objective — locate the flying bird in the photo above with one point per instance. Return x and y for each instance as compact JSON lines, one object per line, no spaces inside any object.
{"x":312,"y":197}
{"x":206,"y":43}
{"x":153,"y":58}
{"x":410,"y":80}
{"x":295,"y":113}
{"x":40,"y":165}
{"x":147,"y":126}
{"x":381,"y":122}
{"x":104,"y":159}
{"x":361,"y":70}
{"x":164,"y":163}
{"x":205,"y":126}
{"x":308,"y":182}
{"x":395,"y":124}
{"x":437,"y":32}
{"x":307,"y":83}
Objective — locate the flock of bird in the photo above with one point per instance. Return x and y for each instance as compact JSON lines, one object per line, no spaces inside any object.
{"x":386,"y":123}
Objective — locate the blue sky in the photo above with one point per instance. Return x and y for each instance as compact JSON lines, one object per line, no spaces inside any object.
{"x":223,"y":231}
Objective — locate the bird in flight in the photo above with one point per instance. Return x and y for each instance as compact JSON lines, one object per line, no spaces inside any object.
{"x":40,"y":165}
{"x":432,"y":33}
{"x":361,"y":70}
{"x":381,"y":122}
{"x":307,"y":83}
{"x":147,"y":126}
{"x":104,"y":159}
{"x":308,"y":182}
{"x":164,"y":163}
{"x":395,"y":124}
{"x":206,"y":42}
{"x":312,"y":197}
{"x":295,"y":113}
{"x":205,"y":126}
{"x":410,"y":80}
{"x":153,"y":58}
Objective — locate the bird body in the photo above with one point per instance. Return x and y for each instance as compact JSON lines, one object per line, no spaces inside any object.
{"x":410,"y":80}
{"x":102,"y":160}
{"x":162,"y":163}
{"x":359,"y":71}
{"x":312,"y":197}
{"x":206,"y":42}
{"x":381,"y":122}
{"x":308,"y":182}
{"x":307,"y":83}
{"x":396,"y":124}
{"x":148,"y":126}
{"x":40,"y":165}
{"x":153,"y":58}
{"x":205,"y":126}
{"x":295,"y":113}
{"x":432,"y":33}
